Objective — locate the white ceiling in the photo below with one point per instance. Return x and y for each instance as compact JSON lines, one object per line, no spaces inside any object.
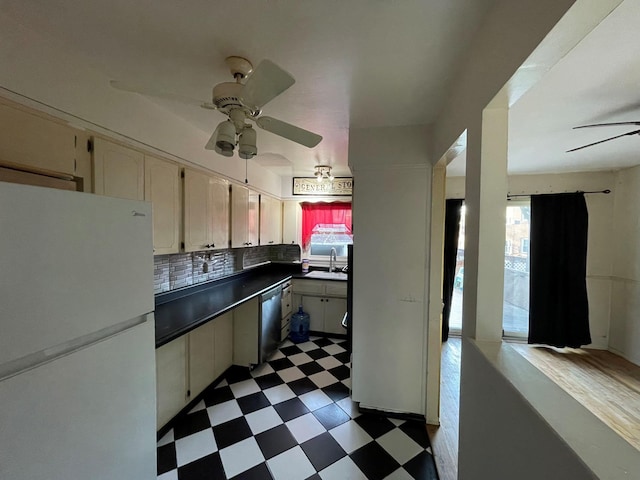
{"x":360,"y":63}
{"x":596,"y":82}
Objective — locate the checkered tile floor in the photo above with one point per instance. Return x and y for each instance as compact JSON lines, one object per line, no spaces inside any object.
{"x":292,"y":418}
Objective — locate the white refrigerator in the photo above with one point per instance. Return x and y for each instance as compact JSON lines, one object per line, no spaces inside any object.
{"x":77,"y":349}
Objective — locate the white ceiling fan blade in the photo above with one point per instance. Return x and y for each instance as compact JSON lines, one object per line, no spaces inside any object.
{"x":211,"y":144}
{"x":288,"y":131}
{"x":266,"y":82}
{"x":132,"y":88}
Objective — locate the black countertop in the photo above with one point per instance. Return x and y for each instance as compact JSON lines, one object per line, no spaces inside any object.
{"x":180,"y":311}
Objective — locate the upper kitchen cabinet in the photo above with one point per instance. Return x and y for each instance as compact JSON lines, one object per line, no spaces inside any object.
{"x":206,"y":211}
{"x":162,"y":189}
{"x":34,"y":141}
{"x":291,"y":222}
{"x":244,"y":217}
{"x":118,"y":171}
{"x":270,"y":220}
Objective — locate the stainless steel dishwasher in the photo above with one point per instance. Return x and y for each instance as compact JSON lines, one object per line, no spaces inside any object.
{"x":270,"y":322}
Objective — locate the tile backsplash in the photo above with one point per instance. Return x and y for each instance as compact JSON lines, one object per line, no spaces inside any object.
{"x":179,"y":270}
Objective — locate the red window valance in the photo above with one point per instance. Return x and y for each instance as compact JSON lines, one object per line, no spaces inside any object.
{"x":323,"y":213}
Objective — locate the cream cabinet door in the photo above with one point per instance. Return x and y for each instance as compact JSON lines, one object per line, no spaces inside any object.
{"x":223,"y":350}
{"x":171,"y":379}
{"x":334,"y":310}
{"x":201,"y":359}
{"x":270,"y":220}
{"x":162,"y":189}
{"x":197,"y":211}
{"x":239,"y":216}
{"x":291,"y":222}
{"x":314,"y":306}
{"x":219,"y":220}
{"x":253,"y":219}
{"x":31,"y":140}
{"x":118,"y":171}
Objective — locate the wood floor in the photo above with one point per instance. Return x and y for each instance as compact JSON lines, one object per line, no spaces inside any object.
{"x":606,"y":384}
{"x":444,"y":439}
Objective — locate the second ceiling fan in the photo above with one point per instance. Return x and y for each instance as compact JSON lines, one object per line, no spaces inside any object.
{"x":634,"y":132}
{"x":242,"y":102}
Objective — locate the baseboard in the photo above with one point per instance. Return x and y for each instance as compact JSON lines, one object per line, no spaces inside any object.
{"x":398,"y":415}
{"x":342,"y":336}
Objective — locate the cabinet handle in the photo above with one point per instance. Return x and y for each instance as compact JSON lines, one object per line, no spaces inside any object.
{"x":326,"y":300}
{"x":322,"y":299}
{"x":270,"y":241}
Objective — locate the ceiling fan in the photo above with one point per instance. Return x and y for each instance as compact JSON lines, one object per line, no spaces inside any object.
{"x":634,"y":132}
{"x":242,"y":102}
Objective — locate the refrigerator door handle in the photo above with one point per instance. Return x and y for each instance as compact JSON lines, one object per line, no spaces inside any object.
{"x":34,"y":360}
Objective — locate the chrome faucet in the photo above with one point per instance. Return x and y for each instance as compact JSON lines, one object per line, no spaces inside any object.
{"x":333,"y":259}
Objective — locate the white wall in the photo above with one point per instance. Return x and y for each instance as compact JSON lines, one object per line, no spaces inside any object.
{"x":392,"y":179}
{"x":625,"y":246}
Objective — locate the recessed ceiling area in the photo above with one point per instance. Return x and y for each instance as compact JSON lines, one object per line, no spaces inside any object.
{"x":360,"y":63}
{"x":596,"y":82}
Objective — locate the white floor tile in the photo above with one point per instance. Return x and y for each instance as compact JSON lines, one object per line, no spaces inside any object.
{"x":300,"y":358}
{"x":313,"y":337}
{"x":277,"y":355}
{"x":172,"y":475}
{"x":263,"y":369}
{"x":329,"y":362}
{"x":167,"y":439}
{"x":350,"y":436}
{"x":291,"y":374}
{"x":399,"y":445}
{"x":305,"y":427}
{"x":199,"y":406}
{"x":315,"y":399}
{"x":349,"y":406}
{"x":223,"y":412}
{"x":290,"y":465}
{"x":396,"y":421}
{"x":262,"y":420}
{"x":223,"y":383}
{"x":333,"y":349}
{"x":347,"y":382}
{"x":322,"y":379}
{"x":195,"y":446}
{"x":278,"y":394}
{"x":344,"y":468}
{"x":399,"y":474}
{"x":306,"y":346}
{"x":286,"y":343}
{"x":244,"y":388}
{"x":241,"y":456}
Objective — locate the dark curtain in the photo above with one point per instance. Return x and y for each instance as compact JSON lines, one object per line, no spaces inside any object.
{"x":558,"y":305}
{"x":451,"y":231}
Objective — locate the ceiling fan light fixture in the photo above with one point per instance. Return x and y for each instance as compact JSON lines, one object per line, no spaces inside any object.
{"x":247,"y":143}
{"x":226,"y":138}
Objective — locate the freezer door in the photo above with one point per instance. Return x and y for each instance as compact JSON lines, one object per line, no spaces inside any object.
{"x":71,"y":264}
{"x":85,"y":416}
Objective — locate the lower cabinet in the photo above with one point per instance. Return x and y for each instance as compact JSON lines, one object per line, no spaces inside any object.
{"x":325,"y":302}
{"x":325,"y":313}
{"x":171,"y":379}
{"x":189,"y":364}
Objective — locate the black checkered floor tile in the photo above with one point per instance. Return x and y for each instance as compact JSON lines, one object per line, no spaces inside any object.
{"x":292,"y":419}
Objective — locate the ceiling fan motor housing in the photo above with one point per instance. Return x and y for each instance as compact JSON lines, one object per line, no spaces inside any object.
{"x":226,"y":96}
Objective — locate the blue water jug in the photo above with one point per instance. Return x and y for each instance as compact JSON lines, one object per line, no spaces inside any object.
{"x":299,"y":326}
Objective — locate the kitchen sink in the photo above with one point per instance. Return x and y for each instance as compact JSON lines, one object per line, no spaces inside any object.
{"x":326,"y":275}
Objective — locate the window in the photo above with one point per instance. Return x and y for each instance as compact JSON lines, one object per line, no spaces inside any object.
{"x":507,"y":247}
{"x":326,"y":226}
{"x":524,"y":246}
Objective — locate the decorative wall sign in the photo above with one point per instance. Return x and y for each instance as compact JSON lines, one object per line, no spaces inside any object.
{"x":339,"y":186}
